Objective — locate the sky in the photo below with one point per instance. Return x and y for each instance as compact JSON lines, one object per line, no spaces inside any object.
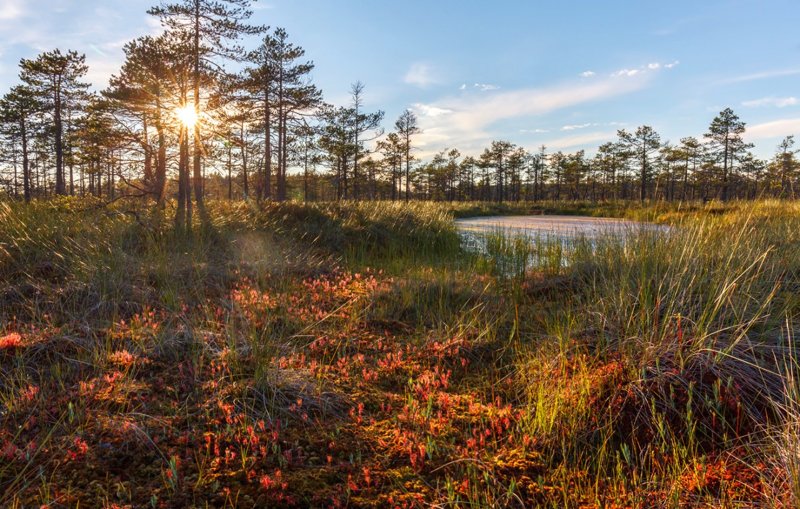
{"x":567,"y":74}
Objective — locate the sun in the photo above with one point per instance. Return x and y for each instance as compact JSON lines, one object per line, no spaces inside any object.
{"x":187,"y":115}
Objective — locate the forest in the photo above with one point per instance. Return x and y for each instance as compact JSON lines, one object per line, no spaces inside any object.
{"x":175,"y":122}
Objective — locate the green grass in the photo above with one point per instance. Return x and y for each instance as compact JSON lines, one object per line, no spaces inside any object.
{"x":346,"y":338}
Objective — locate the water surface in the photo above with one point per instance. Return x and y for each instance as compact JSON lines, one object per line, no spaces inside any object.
{"x":567,"y":227}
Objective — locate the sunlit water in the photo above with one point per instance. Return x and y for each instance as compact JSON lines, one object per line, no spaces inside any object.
{"x":564,"y":231}
{"x":560,"y":226}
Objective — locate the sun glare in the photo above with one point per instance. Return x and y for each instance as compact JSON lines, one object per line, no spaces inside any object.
{"x":187,"y":115}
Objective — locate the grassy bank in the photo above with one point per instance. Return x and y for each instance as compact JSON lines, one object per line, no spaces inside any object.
{"x":355,"y":354}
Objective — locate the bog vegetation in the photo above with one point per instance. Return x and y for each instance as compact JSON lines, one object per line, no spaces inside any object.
{"x":355,"y":354}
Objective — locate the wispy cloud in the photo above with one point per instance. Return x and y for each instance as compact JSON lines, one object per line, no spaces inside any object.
{"x":573,"y":127}
{"x":420,"y":75}
{"x":779,"y":73}
{"x":626,"y":72}
{"x":777,"y":102}
{"x":579,"y":141}
{"x":650,"y":67}
{"x":773,"y":129}
{"x":466,"y":119}
{"x":587,"y":74}
{"x":483,"y":87}
{"x":99,"y":31}
{"x":427,"y":110}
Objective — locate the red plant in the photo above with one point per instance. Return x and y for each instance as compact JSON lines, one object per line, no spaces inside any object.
{"x":10,"y":341}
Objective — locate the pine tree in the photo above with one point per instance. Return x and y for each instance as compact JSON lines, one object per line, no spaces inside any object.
{"x":55,"y":78}
{"x":407,"y":127}
{"x":725,"y":137}
{"x":392,"y":149}
{"x":213,"y":27}
{"x":641,"y":145}
{"x":281,"y":87}
{"x":17,"y":109}
{"x":786,"y":167}
{"x":362,"y":124}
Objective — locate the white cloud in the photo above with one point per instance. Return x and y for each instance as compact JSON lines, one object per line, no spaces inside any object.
{"x":485,"y":87}
{"x":427,"y":110}
{"x":773,"y":129}
{"x":587,"y":74}
{"x":626,"y":72}
{"x":534,"y":131}
{"x":421,"y":75}
{"x":573,"y":127}
{"x":652,"y":66}
{"x":778,"y":102}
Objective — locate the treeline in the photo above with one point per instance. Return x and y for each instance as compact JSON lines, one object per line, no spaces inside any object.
{"x":638,"y":165}
{"x":176,"y":124}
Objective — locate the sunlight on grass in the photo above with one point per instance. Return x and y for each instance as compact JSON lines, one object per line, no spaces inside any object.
{"x":354,"y":352}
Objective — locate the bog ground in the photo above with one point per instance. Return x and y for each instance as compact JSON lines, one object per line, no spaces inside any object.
{"x":356,"y":355}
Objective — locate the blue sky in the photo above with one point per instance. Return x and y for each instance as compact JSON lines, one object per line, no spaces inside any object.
{"x":565,"y":74}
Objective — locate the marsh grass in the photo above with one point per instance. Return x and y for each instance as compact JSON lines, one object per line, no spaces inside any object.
{"x":357,"y":353}
{"x":673,"y":349}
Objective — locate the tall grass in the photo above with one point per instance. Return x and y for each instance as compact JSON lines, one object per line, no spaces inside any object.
{"x":596,"y":371}
{"x":669,"y":344}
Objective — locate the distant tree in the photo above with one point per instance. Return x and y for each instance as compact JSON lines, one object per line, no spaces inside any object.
{"x":575,"y":170}
{"x":786,"y":167}
{"x":407,"y":127}
{"x":669,"y":158}
{"x":335,"y":140}
{"x":497,"y":158}
{"x":17,"y":109}
{"x":642,"y":145}
{"x":392,"y":149}
{"x":55,"y":78}
{"x":725,"y":138}
{"x":467,"y":177}
{"x":754,"y":169}
{"x":365,"y":127}
{"x":536,"y":173}
{"x":610,"y":162}
{"x":517,"y":160}
{"x":691,"y":150}
{"x":307,"y":155}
